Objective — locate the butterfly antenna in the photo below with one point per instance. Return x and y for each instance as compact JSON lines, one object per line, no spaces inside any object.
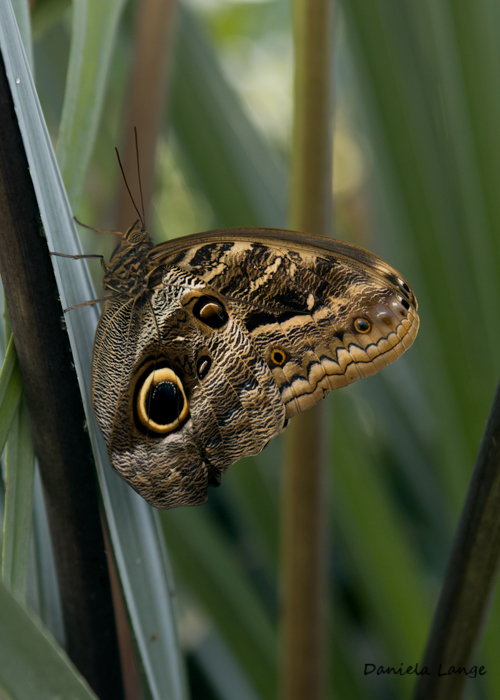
{"x":139,"y":176}
{"x":128,"y":188}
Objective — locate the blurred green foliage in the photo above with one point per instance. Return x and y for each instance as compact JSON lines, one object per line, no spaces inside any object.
{"x":417,"y":153}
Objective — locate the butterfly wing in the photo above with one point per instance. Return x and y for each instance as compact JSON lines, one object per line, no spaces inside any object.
{"x":322,"y":312}
{"x":242,"y":329}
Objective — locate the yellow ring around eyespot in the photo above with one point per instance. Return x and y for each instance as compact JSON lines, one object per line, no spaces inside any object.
{"x":282,"y":355}
{"x":363,"y":320}
{"x":160,"y":375}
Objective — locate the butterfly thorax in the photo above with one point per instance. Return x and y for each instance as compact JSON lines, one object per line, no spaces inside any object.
{"x":128,"y":271}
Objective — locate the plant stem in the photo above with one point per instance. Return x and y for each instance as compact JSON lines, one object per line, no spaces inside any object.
{"x":311,"y":189}
{"x":470,"y":578}
{"x":150,"y":73}
{"x":303,"y":513}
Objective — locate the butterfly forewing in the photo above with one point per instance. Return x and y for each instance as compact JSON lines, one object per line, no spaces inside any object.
{"x":321,"y":319}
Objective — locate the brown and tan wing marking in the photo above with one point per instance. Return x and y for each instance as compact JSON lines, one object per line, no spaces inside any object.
{"x":321,"y":312}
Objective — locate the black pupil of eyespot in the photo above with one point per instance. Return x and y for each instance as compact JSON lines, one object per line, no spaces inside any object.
{"x":164,"y":403}
{"x":278,"y":357}
{"x":204,"y":364}
{"x":362,"y":325}
{"x":210,"y":312}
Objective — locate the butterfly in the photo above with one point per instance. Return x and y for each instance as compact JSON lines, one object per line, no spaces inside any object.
{"x":207,"y":345}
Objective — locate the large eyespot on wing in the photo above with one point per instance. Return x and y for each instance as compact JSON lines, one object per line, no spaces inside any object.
{"x":160,"y":403}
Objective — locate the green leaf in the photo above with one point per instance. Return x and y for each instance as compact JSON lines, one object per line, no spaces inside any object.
{"x":244,"y":179}
{"x":377,"y":544}
{"x":10,"y":391}
{"x":22,"y":11}
{"x":32,"y":665}
{"x":20,"y":469}
{"x":94,"y":31}
{"x":47,"y":602}
{"x":45,"y":14}
{"x":204,"y":557}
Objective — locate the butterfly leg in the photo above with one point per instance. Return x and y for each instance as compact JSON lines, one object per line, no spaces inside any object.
{"x":92,"y":302}
{"x":80,"y":257}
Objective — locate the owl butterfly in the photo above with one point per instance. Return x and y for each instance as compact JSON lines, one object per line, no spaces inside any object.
{"x":208,"y":344}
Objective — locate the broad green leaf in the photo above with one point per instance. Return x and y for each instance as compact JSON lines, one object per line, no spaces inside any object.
{"x":32,"y":665}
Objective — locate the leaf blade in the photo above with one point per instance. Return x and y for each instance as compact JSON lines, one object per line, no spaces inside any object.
{"x":10,"y":391}
{"x":31,"y":662}
{"x":19,"y":481}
